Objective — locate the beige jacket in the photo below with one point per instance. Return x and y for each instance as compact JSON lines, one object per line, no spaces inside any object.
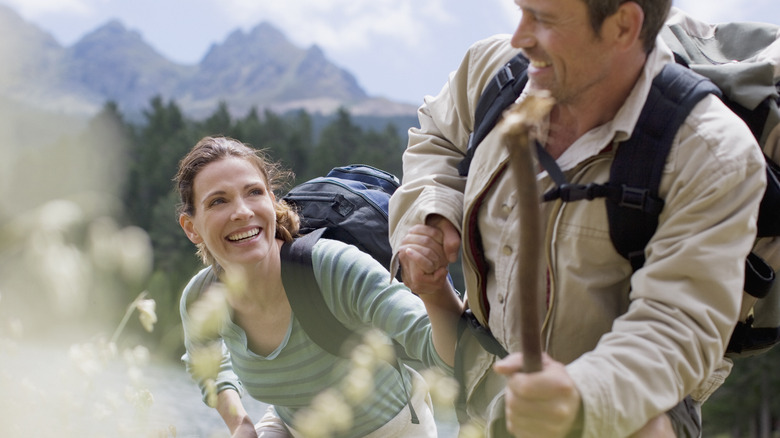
{"x":634,"y":344}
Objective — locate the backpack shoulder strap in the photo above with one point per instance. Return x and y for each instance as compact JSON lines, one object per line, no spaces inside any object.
{"x":633,"y":217}
{"x":305,"y":297}
{"x":309,"y":306}
{"x":502,"y":91}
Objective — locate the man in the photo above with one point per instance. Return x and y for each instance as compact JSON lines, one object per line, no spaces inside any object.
{"x":621,"y":348}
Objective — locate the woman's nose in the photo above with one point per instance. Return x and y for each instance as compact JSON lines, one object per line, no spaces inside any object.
{"x":242,"y":211}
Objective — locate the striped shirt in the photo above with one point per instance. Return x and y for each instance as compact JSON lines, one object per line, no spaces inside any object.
{"x":360,"y":294}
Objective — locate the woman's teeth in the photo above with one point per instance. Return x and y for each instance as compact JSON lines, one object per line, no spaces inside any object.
{"x":244,"y":235}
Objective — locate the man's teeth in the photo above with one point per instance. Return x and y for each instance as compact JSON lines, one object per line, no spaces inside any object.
{"x":540,"y":64}
{"x":244,"y":235}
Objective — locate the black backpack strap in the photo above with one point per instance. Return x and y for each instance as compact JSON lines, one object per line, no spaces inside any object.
{"x":305,"y":298}
{"x":501,"y":91}
{"x":639,"y":162}
{"x":309,"y":307}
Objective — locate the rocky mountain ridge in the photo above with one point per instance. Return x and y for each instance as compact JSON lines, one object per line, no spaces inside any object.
{"x":259,"y":69}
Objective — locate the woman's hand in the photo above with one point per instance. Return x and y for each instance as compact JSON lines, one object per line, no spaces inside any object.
{"x":234,"y":415}
{"x":245,"y":430}
{"x":425,"y":254}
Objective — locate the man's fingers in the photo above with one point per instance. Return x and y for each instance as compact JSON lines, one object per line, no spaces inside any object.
{"x":509,"y":365}
{"x":450,"y":239}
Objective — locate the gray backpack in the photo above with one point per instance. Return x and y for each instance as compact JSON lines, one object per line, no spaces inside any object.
{"x":743,"y":60}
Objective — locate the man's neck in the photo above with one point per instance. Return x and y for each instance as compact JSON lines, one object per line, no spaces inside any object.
{"x":571,"y":120}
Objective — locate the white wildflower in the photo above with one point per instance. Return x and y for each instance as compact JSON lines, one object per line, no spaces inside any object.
{"x":358,"y":384}
{"x":141,"y":398}
{"x":209,"y":313}
{"x":205,"y":361}
{"x":236,"y":285}
{"x":362,"y":356}
{"x":137,"y":356}
{"x":328,"y":415}
{"x":136,"y":253}
{"x":211,"y":393}
{"x":380,"y":345}
{"x":443,"y":389}
{"x":59,"y":215}
{"x":85,"y":358}
{"x":146,"y":313}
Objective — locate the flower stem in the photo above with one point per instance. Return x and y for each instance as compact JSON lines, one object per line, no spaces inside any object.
{"x":128,"y":312}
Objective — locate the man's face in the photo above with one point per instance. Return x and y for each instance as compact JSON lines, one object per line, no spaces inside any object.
{"x":567,"y":57}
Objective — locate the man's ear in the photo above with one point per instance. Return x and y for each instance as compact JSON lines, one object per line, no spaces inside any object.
{"x":189,"y":229}
{"x":626,"y":24}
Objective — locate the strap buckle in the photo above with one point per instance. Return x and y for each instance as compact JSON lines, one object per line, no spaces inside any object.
{"x":632,"y":197}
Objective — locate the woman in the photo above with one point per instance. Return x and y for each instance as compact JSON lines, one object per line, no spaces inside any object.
{"x":229,"y":210}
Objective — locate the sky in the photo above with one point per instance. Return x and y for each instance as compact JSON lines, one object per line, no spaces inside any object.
{"x":398,"y":49}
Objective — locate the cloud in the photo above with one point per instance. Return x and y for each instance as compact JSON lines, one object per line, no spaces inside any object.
{"x":343,"y":25}
{"x":35,"y":8}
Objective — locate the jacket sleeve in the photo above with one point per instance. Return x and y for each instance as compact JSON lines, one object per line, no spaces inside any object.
{"x":431,"y":182}
{"x":685,"y":299}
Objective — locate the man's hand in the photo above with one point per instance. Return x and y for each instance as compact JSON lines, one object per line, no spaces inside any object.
{"x":425,"y":254}
{"x":544,"y":403}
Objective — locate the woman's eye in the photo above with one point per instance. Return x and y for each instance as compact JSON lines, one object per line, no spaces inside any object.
{"x":216,"y":201}
{"x":257,"y":192}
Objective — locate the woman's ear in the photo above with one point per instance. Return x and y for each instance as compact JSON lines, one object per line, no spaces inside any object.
{"x":189,"y":229}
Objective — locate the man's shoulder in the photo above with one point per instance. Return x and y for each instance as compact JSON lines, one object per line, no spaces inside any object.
{"x":725,"y":133}
{"x":491,"y":52}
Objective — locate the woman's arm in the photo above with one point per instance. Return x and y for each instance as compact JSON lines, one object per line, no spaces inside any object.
{"x":425,"y":254}
{"x":234,"y":415}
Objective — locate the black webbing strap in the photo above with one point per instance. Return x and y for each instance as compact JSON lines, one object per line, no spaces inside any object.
{"x":759,"y":276}
{"x":501,"y":92}
{"x":305,"y":298}
{"x":310,"y":309}
{"x":639,"y":161}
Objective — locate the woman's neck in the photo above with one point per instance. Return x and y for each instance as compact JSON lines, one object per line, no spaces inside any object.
{"x":257,"y":287}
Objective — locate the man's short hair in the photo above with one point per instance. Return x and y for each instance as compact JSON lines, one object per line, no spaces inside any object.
{"x":655,"y":11}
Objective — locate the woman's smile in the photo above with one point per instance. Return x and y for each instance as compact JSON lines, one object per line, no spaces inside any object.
{"x":243,"y":236}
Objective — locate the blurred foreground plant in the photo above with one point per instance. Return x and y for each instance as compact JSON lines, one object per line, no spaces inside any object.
{"x":64,"y":266}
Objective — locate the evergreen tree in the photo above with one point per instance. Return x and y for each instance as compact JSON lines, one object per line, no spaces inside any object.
{"x":341,"y":142}
{"x":220,"y":123}
{"x":154,"y":157}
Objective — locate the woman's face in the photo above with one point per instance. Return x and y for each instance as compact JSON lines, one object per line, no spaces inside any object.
{"x":234,"y":213}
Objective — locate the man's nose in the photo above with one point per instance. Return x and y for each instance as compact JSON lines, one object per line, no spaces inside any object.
{"x":523,"y":37}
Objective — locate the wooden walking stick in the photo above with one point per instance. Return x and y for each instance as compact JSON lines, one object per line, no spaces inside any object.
{"x":516,"y":131}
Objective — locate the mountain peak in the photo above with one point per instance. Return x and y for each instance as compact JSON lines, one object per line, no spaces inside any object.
{"x":268,"y":32}
{"x":259,"y":68}
{"x":115,"y":31}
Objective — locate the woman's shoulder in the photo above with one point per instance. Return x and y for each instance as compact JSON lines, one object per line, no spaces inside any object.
{"x":336,"y":251}
{"x":197,"y":285}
